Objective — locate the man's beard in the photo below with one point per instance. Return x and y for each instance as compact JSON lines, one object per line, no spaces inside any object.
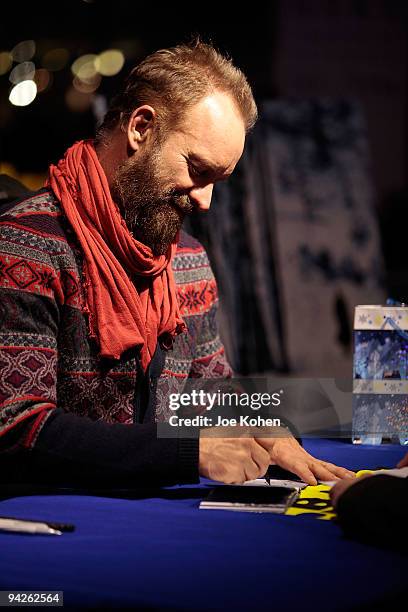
{"x":153,"y":213}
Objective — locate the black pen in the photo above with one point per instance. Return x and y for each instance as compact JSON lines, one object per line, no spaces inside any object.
{"x":268,"y":479}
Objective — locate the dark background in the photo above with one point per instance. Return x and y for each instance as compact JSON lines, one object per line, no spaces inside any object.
{"x":90,"y":27}
{"x":347,"y":48}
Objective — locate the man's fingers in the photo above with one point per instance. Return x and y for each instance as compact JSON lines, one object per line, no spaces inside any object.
{"x":261,"y":458}
{"x":237,"y":460}
{"x":257,"y":462}
{"x":340,"y":472}
{"x":302,"y":470}
{"x":327,"y":471}
{"x":299,"y":467}
{"x":321,"y":472}
{"x":251,"y":471}
{"x":311,"y":470}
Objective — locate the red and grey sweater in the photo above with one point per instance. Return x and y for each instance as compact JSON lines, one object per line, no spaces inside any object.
{"x":66,"y":414}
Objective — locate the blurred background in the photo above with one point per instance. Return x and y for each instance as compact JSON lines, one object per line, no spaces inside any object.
{"x":312,"y":222}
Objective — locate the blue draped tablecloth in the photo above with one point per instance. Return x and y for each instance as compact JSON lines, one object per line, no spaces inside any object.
{"x":157,"y":551}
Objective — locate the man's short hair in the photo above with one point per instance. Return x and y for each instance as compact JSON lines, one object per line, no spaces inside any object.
{"x":175,"y":79}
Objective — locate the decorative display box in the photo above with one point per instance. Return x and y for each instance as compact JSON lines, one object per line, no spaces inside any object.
{"x":380,"y":384}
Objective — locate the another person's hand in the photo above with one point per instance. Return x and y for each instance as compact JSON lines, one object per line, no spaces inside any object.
{"x":232,"y":460}
{"x":287,"y":453}
{"x":342,"y":486}
{"x":403,"y":462}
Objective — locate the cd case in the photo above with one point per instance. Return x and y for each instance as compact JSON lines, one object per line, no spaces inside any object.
{"x":250,"y":499}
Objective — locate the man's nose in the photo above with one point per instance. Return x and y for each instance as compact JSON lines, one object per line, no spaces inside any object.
{"x":201,"y":196}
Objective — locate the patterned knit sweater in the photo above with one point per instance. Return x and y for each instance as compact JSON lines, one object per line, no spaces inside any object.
{"x":50,"y":366}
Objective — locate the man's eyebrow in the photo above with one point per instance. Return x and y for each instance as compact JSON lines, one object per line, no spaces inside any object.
{"x":196,"y":159}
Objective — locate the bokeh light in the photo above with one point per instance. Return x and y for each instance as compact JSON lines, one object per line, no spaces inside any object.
{"x":6,"y":62}
{"x":84,"y":67}
{"x":23,"y":51}
{"x":56,"y":59}
{"x":23,"y":93}
{"x":22,"y":72}
{"x":43,"y":79}
{"x":87,"y":85}
{"x":110,"y":62}
{"x":77,"y":101}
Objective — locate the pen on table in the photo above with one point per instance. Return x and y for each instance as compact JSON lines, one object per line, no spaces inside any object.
{"x":268,"y":479}
{"x":19,"y":526}
{"x":8,"y":523}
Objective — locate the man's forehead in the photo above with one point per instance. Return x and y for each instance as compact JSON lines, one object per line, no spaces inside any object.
{"x":214,"y":132}
{"x":214,"y":113}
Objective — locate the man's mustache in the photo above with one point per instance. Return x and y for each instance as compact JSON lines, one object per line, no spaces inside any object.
{"x":184,"y":203}
{"x":181,"y":202}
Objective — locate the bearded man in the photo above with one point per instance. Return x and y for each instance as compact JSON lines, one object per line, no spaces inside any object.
{"x":102,"y":295}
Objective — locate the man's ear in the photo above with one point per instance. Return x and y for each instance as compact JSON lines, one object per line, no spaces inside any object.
{"x":141,"y":125}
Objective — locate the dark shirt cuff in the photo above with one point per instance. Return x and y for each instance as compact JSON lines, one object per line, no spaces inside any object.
{"x":74,"y":450}
{"x":188,"y":457}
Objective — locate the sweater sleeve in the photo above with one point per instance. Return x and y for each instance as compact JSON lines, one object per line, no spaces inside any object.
{"x":38,"y":440}
{"x":209,"y":358}
{"x":76,"y":451}
{"x":375,"y":510}
{"x":29,"y":319}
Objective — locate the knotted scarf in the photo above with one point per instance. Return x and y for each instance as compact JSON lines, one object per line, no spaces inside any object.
{"x":120,"y":316}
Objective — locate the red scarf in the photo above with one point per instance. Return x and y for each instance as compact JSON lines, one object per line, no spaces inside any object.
{"x":120,"y":317}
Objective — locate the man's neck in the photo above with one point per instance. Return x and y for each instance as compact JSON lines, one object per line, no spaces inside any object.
{"x":111,"y":153}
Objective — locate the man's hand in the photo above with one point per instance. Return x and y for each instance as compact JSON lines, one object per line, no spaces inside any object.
{"x":288,"y":453}
{"x":232,"y":460}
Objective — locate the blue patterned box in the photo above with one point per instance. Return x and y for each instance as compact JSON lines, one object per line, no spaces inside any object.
{"x":380,"y":384}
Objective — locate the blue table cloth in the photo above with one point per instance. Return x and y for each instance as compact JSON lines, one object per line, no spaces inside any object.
{"x":161,"y":552}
